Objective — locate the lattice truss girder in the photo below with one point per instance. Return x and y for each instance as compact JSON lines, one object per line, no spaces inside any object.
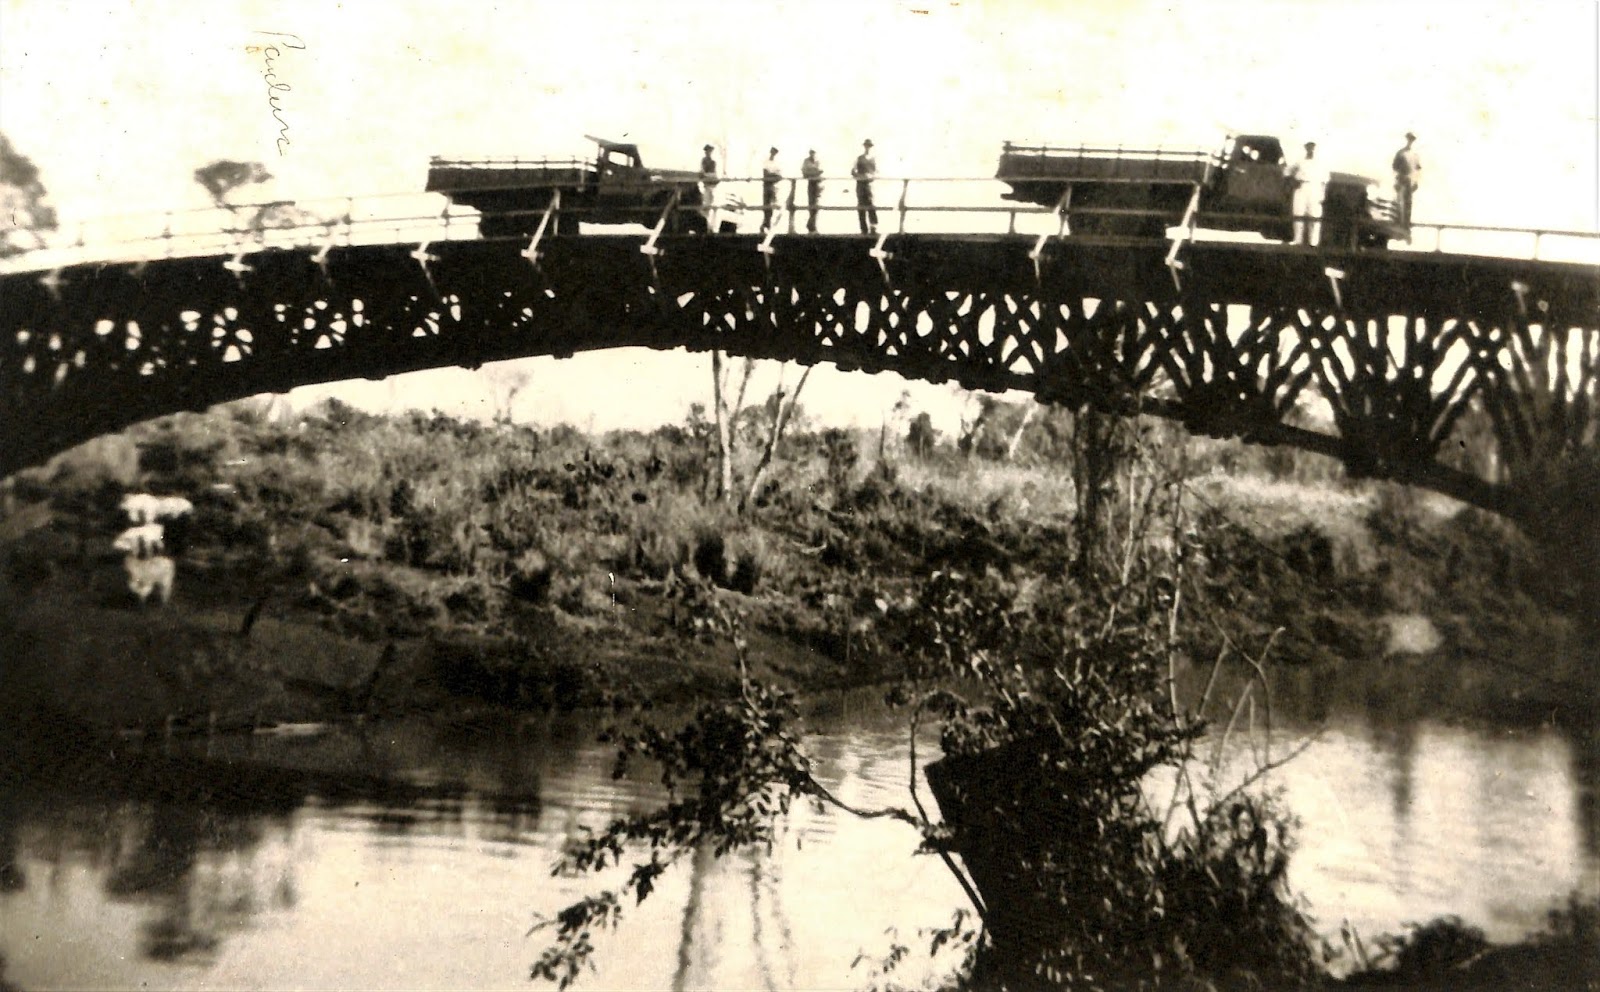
{"x":116,"y":345}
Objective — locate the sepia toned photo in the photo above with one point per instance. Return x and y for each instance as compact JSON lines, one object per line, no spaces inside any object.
{"x":799,"y":495}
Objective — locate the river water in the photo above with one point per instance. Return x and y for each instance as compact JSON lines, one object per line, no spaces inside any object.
{"x":417,"y":856}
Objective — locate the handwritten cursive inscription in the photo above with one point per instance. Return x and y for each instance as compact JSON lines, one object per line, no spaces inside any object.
{"x":270,"y":53}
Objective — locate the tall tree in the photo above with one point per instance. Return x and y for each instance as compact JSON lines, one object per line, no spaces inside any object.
{"x":25,"y":211}
{"x":726,"y":418}
{"x":781,"y":417}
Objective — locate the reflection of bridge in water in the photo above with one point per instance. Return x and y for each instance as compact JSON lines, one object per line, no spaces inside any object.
{"x":1226,"y":337}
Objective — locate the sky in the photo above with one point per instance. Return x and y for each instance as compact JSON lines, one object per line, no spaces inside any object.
{"x":119,"y":102}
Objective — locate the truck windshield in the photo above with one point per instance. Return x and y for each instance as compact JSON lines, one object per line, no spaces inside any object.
{"x":1264,"y":150}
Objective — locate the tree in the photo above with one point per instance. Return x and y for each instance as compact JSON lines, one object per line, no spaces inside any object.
{"x":25,"y":210}
{"x":223,"y":176}
{"x":898,"y":416}
{"x":1016,"y":436}
{"x":1053,"y":718}
{"x":921,"y":438}
{"x":1103,"y":445}
{"x":506,"y":380}
{"x":781,"y":415}
{"x":727,"y":419}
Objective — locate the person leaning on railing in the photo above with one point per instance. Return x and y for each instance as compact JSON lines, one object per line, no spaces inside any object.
{"x":811,"y":169}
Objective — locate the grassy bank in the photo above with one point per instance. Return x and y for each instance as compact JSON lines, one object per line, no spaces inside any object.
{"x":498,"y":565}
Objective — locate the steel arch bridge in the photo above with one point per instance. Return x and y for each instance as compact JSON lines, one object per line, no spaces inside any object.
{"x":1399,"y":345}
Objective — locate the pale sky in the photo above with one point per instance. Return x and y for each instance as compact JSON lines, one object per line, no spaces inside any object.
{"x":118,"y":103}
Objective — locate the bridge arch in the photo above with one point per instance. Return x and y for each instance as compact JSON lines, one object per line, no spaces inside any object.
{"x":1398,"y":345}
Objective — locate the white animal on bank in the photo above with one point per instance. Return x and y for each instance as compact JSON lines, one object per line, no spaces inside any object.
{"x":143,"y":508}
{"x":147,"y":576}
{"x":141,"y":541}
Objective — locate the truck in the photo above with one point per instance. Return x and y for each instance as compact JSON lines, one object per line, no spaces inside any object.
{"x":512,"y":195}
{"x":1242,"y":187}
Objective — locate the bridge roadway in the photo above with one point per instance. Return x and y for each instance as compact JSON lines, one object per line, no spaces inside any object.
{"x":1400,"y":345}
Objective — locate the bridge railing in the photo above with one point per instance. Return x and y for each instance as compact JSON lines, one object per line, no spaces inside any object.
{"x":905,"y":205}
{"x":1547,"y":243}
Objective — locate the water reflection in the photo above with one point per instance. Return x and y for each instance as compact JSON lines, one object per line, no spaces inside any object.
{"x":412,"y":855}
{"x":206,"y":845}
{"x":1586,"y":780}
{"x":12,"y":878}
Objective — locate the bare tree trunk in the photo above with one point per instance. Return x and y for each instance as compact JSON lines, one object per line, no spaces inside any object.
{"x":1098,"y":450}
{"x":779,"y":422}
{"x":738,"y":402}
{"x":724,"y":440}
{"x":1016,"y":439}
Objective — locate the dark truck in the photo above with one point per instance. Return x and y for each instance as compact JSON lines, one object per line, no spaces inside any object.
{"x":1241,"y":188}
{"x":512,"y":194}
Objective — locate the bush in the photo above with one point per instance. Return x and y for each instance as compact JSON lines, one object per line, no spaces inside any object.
{"x":1053,"y":720}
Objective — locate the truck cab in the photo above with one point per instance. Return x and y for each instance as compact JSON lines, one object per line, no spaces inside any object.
{"x":621,"y":185}
{"x":618,"y":166}
{"x":1253,"y":177}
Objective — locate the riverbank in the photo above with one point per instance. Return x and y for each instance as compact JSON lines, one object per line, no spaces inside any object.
{"x":354,"y":569}
{"x":351,"y":565}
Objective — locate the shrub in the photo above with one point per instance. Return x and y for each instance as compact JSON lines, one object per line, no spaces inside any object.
{"x":1055,"y":712}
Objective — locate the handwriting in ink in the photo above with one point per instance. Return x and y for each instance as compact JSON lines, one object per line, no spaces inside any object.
{"x":270,"y":53}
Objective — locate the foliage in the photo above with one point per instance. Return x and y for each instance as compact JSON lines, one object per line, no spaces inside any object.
{"x":1056,"y":712}
{"x":729,"y":772}
{"x":25,"y":208}
{"x":1446,"y":953}
{"x":1048,"y":797}
{"x":921,"y":438}
{"x":222,"y":177}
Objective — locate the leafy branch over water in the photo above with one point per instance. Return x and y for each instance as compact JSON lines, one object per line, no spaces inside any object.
{"x":1056,"y":712}
{"x":731,"y":771}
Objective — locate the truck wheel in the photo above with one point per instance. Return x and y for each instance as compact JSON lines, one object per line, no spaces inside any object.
{"x":1337,"y":232}
{"x":1374,"y":239}
{"x":567,"y":223}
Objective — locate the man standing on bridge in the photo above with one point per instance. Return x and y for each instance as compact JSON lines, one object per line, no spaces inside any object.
{"x":1310,"y":183}
{"x":864,"y":171}
{"x":771,"y":176}
{"x":708,"y":187}
{"x":1407,"y":166}
{"x":811,"y":169}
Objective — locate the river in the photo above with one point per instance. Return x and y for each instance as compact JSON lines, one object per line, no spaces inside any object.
{"x":414,"y":855}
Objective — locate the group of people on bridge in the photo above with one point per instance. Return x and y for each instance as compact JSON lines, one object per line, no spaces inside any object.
{"x":1310,"y":183}
{"x":864,"y":171}
{"x":1307,"y":175}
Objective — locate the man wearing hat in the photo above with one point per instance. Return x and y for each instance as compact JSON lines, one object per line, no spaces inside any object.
{"x":771,"y":176}
{"x":811,"y":169}
{"x":1407,"y":166}
{"x":1310,"y":184}
{"x":864,"y":171}
{"x":708,"y":187}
